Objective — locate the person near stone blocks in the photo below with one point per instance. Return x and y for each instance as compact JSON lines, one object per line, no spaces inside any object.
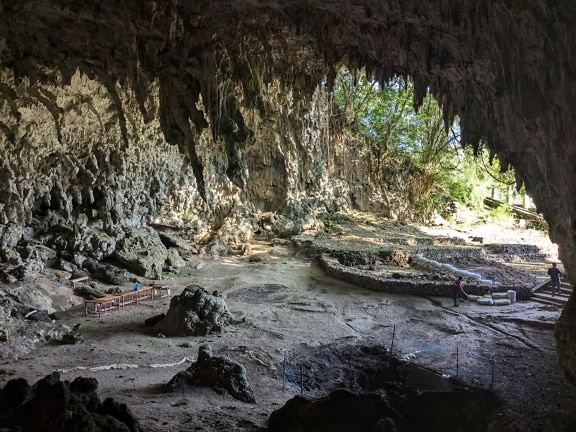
{"x":458,"y":290}
{"x":555,"y":275}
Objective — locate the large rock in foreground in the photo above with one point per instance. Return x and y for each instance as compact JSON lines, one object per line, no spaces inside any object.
{"x":223,"y":375}
{"x":341,"y":410}
{"x":51,"y":405}
{"x":400,"y":409}
{"x":195,"y":312}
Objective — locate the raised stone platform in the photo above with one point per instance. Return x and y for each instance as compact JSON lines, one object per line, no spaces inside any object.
{"x":366,"y":279}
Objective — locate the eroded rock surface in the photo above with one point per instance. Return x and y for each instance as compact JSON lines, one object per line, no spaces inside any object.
{"x":195,"y":312}
{"x":142,"y":251}
{"x":52,"y":405}
{"x":193,"y":106}
{"x":221,"y":374}
{"x":400,"y":409}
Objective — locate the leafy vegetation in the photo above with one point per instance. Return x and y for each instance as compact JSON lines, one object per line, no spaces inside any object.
{"x":416,"y":153}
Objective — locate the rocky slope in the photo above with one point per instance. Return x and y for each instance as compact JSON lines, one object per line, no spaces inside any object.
{"x":87,"y":90}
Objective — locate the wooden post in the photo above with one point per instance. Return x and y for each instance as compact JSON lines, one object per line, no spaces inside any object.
{"x":284,"y":374}
{"x":457,"y":360}
{"x":492,"y":380}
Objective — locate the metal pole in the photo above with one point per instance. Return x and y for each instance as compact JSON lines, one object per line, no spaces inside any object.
{"x":301,"y":379}
{"x":284,"y":374}
{"x":457,"y":362}
{"x":492,"y":380}
{"x":393,"y":334}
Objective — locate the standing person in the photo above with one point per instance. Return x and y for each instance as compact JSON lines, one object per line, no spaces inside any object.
{"x":555,"y":275}
{"x":457,"y":289}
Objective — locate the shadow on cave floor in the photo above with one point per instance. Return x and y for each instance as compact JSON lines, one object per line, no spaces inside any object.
{"x":315,"y":371}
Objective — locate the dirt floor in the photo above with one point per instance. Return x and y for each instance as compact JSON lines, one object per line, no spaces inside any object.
{"x":327,"y":330}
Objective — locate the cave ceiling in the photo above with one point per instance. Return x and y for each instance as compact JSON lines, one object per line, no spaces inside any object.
{"x":506,"y":67}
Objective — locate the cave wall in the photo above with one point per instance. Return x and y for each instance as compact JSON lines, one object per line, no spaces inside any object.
{"x":64,"y":156}
{"x":67,"y":164}
{"x":508,"y":68}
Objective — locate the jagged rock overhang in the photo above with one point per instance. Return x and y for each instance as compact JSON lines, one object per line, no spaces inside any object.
{"x":506,"y":68}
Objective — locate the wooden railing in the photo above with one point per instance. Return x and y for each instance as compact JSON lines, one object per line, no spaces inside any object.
{"x":97,"y":307}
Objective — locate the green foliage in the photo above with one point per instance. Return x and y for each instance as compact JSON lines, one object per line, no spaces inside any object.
{"x":189,"y":217}
{"x":501,"y":213}
{"x":416,"y":145}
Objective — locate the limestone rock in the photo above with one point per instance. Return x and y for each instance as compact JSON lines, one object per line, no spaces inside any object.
{"x":152,"y":321}
{"x":104,"y":143}
{"x":195,"y":312}
{"x":106,"y":272}
{"x":174,"y":259}
{"x":221,"y":374}
{"x":140,"y":249}
{"x":66,"y":266}
{"x":172,"y":239}
{"x":89,"y":292}
{"x":52,"y":405}
{"x":72,"y":337}
{"x":218,"y":248}
{"x":10,"y":236}
{"x":41,"y":252}
{"x":341,"y":409}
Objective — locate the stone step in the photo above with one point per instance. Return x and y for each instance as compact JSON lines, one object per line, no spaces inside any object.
{"x":548,"y":299}
{"x":563,"y":291}
{"x":545,"y":286}
{"x":548,"y":303}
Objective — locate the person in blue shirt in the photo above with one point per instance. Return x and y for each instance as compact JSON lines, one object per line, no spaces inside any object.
{"x":555,"y":275}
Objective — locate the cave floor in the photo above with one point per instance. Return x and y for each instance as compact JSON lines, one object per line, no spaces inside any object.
{"x":288,"y":307}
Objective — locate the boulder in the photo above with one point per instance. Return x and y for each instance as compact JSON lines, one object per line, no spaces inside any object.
{"x":221,"y":374}
{"x":43,"y":253}
{"x":171,"y":239}
{"x":88,"y":292}
{"x":10,"y":236}
{"x":341,"y":410}
{"x":98,"y":244}
{"x":195,"y":312}
{"x":52,"y":405}
{"x":152,"y":321}
{"x":81,"y":240}
{"x":106,"y":272}
{"x":140,"y":249}
{"x":72,"y":337}
{"x":66,"y":266}
{"x":113,"y":290}
{"x":174,"y":259}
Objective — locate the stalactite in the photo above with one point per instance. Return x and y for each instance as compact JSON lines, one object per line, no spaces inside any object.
{"x":503,"y":67}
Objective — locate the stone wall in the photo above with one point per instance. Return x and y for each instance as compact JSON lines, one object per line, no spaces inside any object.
{"x":374,"y":282}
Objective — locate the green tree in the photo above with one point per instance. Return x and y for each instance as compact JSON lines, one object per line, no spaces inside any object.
{"x":417,"y":146}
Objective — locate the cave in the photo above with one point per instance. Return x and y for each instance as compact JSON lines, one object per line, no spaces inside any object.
{"x":115,"y":113}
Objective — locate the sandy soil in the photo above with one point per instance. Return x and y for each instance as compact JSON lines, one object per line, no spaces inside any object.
{"x":290,"y":308}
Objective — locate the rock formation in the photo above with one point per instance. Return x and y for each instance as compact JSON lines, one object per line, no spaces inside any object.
{"x":111,"y":114}
{"x":433,"y":411}
{"x":221,"y":374}
{"x":52,"y":405}
{"x":195,"y":312}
